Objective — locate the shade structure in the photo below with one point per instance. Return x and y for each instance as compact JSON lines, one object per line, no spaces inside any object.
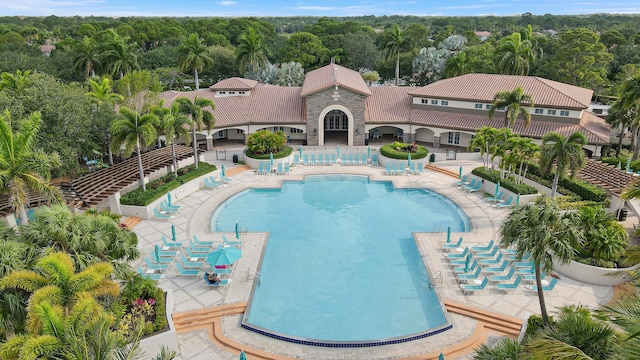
{"x":224,"y":256}
{"x":271,"y":158}
{"x":156,"y":253}
{"x":369,"y":152}
{"x":243,"y":356}
{"x":460,"y":173}
{"x":518,"y":200}
{"x":237,"y":231}
{"x":173,"y":232}
{"x":495,"y":194}
{"x":169,"y":199}
{"x":338,"y":150}
{"x":448,"y":234}
{"x":222,"y":171}
{"x":409,"y":160}
{"x":467,"y":262}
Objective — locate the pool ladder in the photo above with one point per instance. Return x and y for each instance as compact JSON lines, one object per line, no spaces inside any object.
{"x":254,"y":276}
{"x":435,"y":279}
{"x":437,"y":230}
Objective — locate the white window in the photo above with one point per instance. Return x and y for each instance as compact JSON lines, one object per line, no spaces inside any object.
{"x":278,"y":128}
{"x":454,"y":138}
{"x":487,"y":107}
{"x":478,"y":106}
{"x":345,"y":122}
{"x":241,"y":92}
{"x":222,"y":92}
{"x":501,"y":108}
{"x":551,"y":112}
{"x":564,"y":112}
{"x":434,"y":102}
{"x":539,"y":111}
{"x":444,"y":103}
{"x":239,"y":131}
{"x":232,"y":92}
{"x":295,"y":131}
{"x":424,"y":101}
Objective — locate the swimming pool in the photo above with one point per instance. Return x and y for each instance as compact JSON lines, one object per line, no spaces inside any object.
{"x":341,"y":266}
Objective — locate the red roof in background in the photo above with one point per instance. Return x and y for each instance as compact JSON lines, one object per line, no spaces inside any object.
{"x":330,"y":75}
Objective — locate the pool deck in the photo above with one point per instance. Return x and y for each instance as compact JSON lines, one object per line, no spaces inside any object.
{"x":198,"y":340}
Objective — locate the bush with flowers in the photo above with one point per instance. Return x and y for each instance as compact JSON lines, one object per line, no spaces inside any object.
{"x":142,"y":304}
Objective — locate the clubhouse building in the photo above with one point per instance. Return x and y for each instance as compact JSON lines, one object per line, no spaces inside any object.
{"x":335,"y":106}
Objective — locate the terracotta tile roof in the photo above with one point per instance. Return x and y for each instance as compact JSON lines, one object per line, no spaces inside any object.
{"x":327,"y":76}
{"x":594,"y":128}
{"x":388,"y":104}
{"x":265,"y":105}
{"x":483,"y":87}
{"x":234,"y":83}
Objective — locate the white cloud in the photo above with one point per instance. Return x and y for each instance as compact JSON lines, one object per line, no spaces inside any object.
{"x":227,"y":3}
{"x":316,"y":8}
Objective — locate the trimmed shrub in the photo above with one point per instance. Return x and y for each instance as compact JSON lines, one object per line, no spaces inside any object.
{"x":401,"y":151}
{"x":286,"y":151}
{"x":161,"y":186}
{"x":508,"y":183}
{"x":585,"y":190}
{"x":264,"y":142}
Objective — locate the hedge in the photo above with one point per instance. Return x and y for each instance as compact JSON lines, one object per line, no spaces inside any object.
{"x":160,"y":187}
{"x":286,"y":151}
{"x":585,"y":190}
{"x":507,"y":183}
{"x":390,"y":151}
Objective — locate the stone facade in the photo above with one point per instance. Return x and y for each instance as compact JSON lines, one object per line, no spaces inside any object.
{"x":317,"y":102}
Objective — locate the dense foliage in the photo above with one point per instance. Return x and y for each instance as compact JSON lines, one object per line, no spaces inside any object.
{"x":267,"y":143}
{"x":507,"y":183}
{"x":401,"y":151}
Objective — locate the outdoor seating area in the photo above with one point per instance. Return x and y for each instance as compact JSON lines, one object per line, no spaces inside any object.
{"x":403,"y":168}
{"x":607,"y":176}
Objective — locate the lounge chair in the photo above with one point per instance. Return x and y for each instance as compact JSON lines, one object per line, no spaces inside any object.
{"x":350,"y":159}
{"x":374,"y":159}
{"x":267,"y":168}
{"x":212,"y":183}
{"x":481,"y":248}
{"x":496,"y":198}
{"x":191,"y":263}
{"x":343,"y":157}
{"x":164,"y":206}
{"x":313,"y":159}
{"x":462,"y":181}
{"x":333,"y":159}
{"x":472,"y":184}
{"x":197,"y":249}
{"x":474,"y":287}
{"x":296,"y":159}
{"x":491,"y":262}
{"x":154,"y":265}
{"x":394,"y":169}
{"x":167,"y":253}
{"x":363,"y":159}
{"x":419,"y":167}
{"x":472,"y":267}
{"x":454,"y":245}
{"x":329,"y":159}
{"x":194,"y":255}
{"x":478,"y":187}
{"x":524,"y":264}
{"x":509,"y":286}
{"x":547,"y":287}
{"x":260,"y":168}
{"x":532,"y":276}
{"x":150,"y":274}
{"x":459,"y":255}
{"x":184,"y":271}
{"x":387,"y":169}
{"x":497,"y":269}
{"x":459,"y":262}
{"x":412,"y":168}
{"x":160,"y":215}
{"x":199,"y":243}
{"x":507,"y":203}
{"x":168,"y":245}
{"x":221,"y":282}
{"x":488,"y":254}
{"x":496,"y":278}
{"x":279,"y":169}
{"x":286,"y":168}
{"x":306,"y":159}
{"x":231,"y":243}
{"x":462,"y":276}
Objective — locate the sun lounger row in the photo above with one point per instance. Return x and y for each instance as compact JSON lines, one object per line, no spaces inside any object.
{"x":397,"y":168}
{"x":211,"y":183}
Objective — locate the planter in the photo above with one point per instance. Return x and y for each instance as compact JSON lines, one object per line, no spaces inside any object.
{"x":169,"y":339}
{"x":591,"y":274}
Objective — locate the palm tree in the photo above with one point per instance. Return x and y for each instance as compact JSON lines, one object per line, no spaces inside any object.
{"x":102,"y":92}
{"x":620,"y":117}
{"x":630,"y":99}
{"x":199,"y":117}
{"x":457,"y":65}
{"x":87,"y":57}
{"x":250,"y":52}
{"x":395,"y":45}
{"x":193,"y":54}
{"x":565,"y":152}
{"x":133,"y":132}
{"x":119,"y":55}
{"x":506,"y":348}
{"x":12,"y":303}
{"x":483,"y":140}
{"x":14,"y":82}
{"x":542,"y":231}
{"x":512,"y":103}
{"x":174,"y":124}
{"x":515,"y":55}
{"x":23,"y":169}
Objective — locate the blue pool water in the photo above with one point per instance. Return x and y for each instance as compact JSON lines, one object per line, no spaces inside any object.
{"x":341,"y":264}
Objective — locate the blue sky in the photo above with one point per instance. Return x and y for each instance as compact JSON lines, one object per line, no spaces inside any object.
{"x":313,"y":8}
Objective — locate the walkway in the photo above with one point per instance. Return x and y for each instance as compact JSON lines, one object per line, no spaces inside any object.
{"x":191,"y":294}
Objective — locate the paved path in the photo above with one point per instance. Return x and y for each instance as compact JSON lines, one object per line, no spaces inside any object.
{"x":191,"y":293}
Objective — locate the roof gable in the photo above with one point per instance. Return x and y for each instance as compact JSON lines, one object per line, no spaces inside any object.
{"x":330,"y":75}
{"x":483,"y":87}
{"x":234,"y":83}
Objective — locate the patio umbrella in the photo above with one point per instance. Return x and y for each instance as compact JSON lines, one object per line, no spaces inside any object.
{"x":338,"y":150}
{"x":460,"y":173}
{"x":495,"y":194}
{"x":224,"y":256}
{"x":243,"y":356}
{"x":271,"y":158}
{"x":448,"y":233}
{"x":222,"y":171}
{"x":628,"y":164}
{"x":173,"y":232}
{"x":467,"y":262}
{"x":518,"y":200}
{"x":441,"y":356}
{"x":369,"y":152}
{"x":156,"y":253}
{"x":300,"y":150}
{"x":169,"y":198}
{"x":237,"y":231}
{"x":409,"y":160}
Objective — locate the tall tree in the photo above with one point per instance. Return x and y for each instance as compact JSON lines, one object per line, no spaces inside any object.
{"x":565,"y":153}
{"x":542,"y":231}
{"x":515,"y":55}
{"x":304,"y":48}
{"x":119,"y":55}
{"x":101,"y":92}
{"x":250,"y":52}
{"x":456,"y":65}
{"x":621,"y":116}
{"x":193,"y":55}
{"x":395,"y":44}
{"x":133,"y":132}
{"x":200,"y":117}
{"x":173,"y":124}
{"x":87,"y":57}
{"x":23,"y":168}
{"x":630,"y":100}
{"x":512,"y":102}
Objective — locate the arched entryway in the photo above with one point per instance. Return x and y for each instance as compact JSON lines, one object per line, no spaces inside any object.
{"x":336,"y":126}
